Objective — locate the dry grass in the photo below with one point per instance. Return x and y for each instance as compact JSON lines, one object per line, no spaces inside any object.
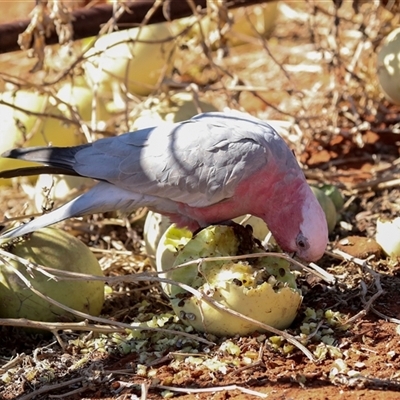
{"x":319,"y":77}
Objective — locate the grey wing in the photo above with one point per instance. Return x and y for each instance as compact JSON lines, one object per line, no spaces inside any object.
{"x":198,"y":162}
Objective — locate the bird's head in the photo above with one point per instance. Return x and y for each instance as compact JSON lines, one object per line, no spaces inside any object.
{"x":298,"y":223}
{"x":312,"y":237}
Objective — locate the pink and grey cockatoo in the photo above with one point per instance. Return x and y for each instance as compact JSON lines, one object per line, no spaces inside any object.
{"x":211,"y":168}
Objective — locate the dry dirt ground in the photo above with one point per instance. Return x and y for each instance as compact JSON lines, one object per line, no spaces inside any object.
{"x":317,"y":71}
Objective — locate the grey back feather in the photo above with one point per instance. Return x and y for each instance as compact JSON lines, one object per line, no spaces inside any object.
{"x":199,"y":162}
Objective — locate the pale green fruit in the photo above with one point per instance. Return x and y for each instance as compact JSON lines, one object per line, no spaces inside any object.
{"x":248,"y":24}
{"x":171,"y":241}
{"x":156,"y":225}
{"x":388,"y":236}
{"x":124,"y":58}
{"x":79,"y":95}
{"x":327,"y":205}
{"x":179,"y":107}
{"x":334,"y":194}
{"x":388,"y":66}
{"x":260,"y":228}
{"x":265,"y":291}
{"x":249,"y":20}
{"x":56,"y":189}
{"x":19,"y":129}
{"x":57,"y":249}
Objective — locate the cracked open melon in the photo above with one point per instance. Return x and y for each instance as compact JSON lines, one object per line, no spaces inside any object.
{"x":262,"y":288}
{"x":56,"y":249}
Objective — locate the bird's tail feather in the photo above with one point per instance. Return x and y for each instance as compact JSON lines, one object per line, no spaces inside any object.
{"x":61,"y":157}
{"x":28,"y":171}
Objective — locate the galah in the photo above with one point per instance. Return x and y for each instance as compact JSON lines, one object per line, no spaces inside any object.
{"x":208,"y":169}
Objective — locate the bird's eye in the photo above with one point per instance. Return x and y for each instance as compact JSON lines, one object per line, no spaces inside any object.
{"x":302,"y":242}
